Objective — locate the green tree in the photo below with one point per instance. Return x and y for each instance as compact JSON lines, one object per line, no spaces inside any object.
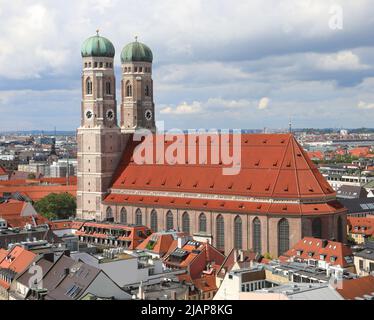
{"x":57,"y":206}
{"x":268,"y":256}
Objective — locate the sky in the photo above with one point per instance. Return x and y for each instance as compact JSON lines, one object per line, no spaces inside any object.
{"x":217,"y":64}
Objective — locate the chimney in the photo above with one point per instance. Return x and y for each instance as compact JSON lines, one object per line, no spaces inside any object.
{"x":241,"y":255}
{"x":181,"y":241}
{"x":173,"y":295}
{"x":235,"y":256}
{"x":141,"y":293}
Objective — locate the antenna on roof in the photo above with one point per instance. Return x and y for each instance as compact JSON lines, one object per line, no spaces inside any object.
{"x":290,"y":125}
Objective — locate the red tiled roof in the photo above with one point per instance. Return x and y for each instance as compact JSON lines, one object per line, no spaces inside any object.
{"x":3,"y":171}
{"x":20,"y":222}
{"x":163,"y":243}
{"x":17,"y":259}
{"x":272,"y":165}
{"x":12,"y":212}
{"x":314,"y":246}
{"x":196,"y":257}
{"x":316,"y":155}
{"x":228,"y":264}
{"x":227,"y":205}
{"x":38,"y":192}
{"x":359,"y":152}
{"x":11,"y":207}
{"x":356,"y":225}
{"x":3,"y":254}
{"x":61,"y":225}
{"x":134,"y":238}
{"x":354,"y":288}
{"x":206,"y":283}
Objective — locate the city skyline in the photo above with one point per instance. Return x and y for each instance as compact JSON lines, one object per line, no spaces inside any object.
{"x":242,"y":77}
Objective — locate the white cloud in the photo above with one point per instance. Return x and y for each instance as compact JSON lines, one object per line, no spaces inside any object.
{"x":365,"y":106}
{"x":344,"y":60}
{"x":224,"y":65}
{"x":264,"y":103}
{"x":183,"y":109}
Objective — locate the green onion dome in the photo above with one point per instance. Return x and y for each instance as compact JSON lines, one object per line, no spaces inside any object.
{"x":136,"y":51}
{"x":98,"y":46}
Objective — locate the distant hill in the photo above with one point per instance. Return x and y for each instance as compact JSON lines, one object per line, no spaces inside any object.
{"x":39,"y":132}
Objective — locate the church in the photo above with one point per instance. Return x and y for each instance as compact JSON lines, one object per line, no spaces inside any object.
{"x":277,"y":198}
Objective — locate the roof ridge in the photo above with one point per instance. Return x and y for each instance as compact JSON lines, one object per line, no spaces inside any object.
{"x":295,"y":169}
{"x":280,"y":167}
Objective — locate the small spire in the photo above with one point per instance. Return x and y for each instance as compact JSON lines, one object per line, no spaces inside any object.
{"x":136,"y":38}
{"x":97,"y":32}
{"x":290,"y":125}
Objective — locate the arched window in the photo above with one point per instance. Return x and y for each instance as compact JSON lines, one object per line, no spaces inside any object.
{"x":283,"y":236}
{"x":238,"y":234}
{"x":123,"y":216}
{"x":147,"y":91}
{"x":88,"y":86}
{"x":317,"y":228}
{"x":95,"y":64}
{"x":154,"y":221}
{"x":109,"y":213}
{"x":202,"y":223}
{"x":169,"y":221}
{"x":85,"y":64}
{"x":138,"y":217}
{"x":340,"y":229}
{"x":128,"y":89}
{"x":220,"y":233}
{"x":256,"y":235}
{"x":108,"y":88}
{"x":186,"y":223}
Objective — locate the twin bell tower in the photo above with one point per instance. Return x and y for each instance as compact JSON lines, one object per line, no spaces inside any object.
{"x":102,"y":137}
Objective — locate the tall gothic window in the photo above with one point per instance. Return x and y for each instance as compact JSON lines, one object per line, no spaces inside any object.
{"x":238,"y":233}
{"x":123,"y":216}
{"x":154,"y":226}
{"x":147,"y":91}
{"x":109,"y":213}
{"x":169,"y":221}
{"x":186,"y":223}
{"x":220,"y":233}
{"x":128,"y":89}
{"x":317,"y":228}
{"x":108,"y":88}
{"x":138,"y":217}
{"x":283,"y":236}
{"x":88,"y":86}
{"x":340,"y":229}
{"x":256,"y":235}
{"x":202,"y":223}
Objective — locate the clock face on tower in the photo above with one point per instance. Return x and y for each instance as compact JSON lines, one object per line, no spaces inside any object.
{"x":110,"y":114}
{"x":148,"y":114}
{"x":89,"y":114}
